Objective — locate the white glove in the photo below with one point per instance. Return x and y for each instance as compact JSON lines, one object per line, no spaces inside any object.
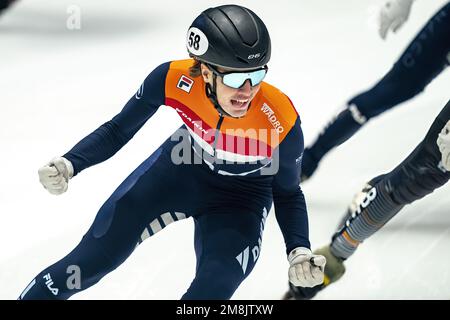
{"x":392,"y":16}
{"x":443,"y":142}
{"x":55,"y":175}
{"x":306,"y":269}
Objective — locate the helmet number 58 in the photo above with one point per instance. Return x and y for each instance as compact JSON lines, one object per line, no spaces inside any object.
{"x":194,"y":40}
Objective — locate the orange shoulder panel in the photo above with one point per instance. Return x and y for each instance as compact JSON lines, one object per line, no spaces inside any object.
{"x":276,"y":108}
{"x":281,"y":103}
{"x":189,"y":91}
{"x":270,"y":109}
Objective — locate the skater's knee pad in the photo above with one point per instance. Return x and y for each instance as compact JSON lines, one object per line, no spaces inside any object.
{"x":115,"y":213}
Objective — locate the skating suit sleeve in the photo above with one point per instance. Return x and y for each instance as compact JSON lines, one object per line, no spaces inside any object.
{"x":111,"y":136}
{"x":289,"y":201}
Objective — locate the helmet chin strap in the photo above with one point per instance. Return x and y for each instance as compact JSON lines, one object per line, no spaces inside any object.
{"x":212,"y":95}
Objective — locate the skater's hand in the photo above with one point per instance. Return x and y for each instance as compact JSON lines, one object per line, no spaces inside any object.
{"x":443,"y":142}
{"x":393,"y":14}
{"x":55,"y":175}
{"x":306,"y":269}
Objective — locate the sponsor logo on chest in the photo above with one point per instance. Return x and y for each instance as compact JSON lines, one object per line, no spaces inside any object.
{"x":196,"y":123}
{"x":185,"y":83}
{"x":271,"y":116}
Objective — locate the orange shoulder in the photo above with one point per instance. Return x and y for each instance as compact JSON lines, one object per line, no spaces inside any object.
{"x":188,"y":92}
{"x":178,"y":77}
{"x":280,"y":104}
{"x":180,"y":85}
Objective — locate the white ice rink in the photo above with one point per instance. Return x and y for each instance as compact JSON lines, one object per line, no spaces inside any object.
{"x":57,"y":85}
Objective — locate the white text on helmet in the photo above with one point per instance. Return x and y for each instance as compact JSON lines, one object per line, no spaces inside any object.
{"x":254,"y":56}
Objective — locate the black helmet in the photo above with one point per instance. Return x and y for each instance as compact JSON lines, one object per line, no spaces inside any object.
{"x":229,"y":36}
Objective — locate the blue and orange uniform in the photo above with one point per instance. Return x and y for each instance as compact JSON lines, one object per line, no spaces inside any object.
{"x":223,"y":172}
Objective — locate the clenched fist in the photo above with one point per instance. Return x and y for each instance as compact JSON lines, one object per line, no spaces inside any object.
{"x":55,"y":175}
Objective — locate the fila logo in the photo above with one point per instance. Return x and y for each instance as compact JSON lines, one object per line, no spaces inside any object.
{"x":185,"y":84}
{"x":49,"y":283}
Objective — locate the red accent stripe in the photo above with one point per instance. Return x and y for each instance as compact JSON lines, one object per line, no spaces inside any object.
{"x":191,"y":117}
{"x":230,"y":143}
{"x":186,"y":79}
{"x":292,"y":104}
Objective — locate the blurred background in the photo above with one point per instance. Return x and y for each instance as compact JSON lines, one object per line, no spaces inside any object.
{"x":68,"y":66}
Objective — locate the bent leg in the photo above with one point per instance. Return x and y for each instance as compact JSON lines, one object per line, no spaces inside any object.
{"x":227,"y":247}
{"x":416,"y":177}
{"x":423,"y":60}
{"x":139,"y":208}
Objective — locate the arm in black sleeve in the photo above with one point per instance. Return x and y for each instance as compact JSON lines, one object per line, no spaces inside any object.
{"x":288,"y":198}
{"x":111,"y":136}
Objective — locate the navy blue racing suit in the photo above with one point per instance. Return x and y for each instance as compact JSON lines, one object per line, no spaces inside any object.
{"x":229,"y":202}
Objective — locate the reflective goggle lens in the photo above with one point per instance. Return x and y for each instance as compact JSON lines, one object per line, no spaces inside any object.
{"x":237,"y":79}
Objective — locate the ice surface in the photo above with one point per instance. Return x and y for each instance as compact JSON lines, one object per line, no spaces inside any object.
{"x":57,"y":85}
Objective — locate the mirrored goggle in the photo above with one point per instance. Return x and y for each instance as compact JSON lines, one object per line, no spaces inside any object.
{"x":237,"y":79}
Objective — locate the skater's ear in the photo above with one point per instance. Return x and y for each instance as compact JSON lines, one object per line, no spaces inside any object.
{"x":206,"y":73}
